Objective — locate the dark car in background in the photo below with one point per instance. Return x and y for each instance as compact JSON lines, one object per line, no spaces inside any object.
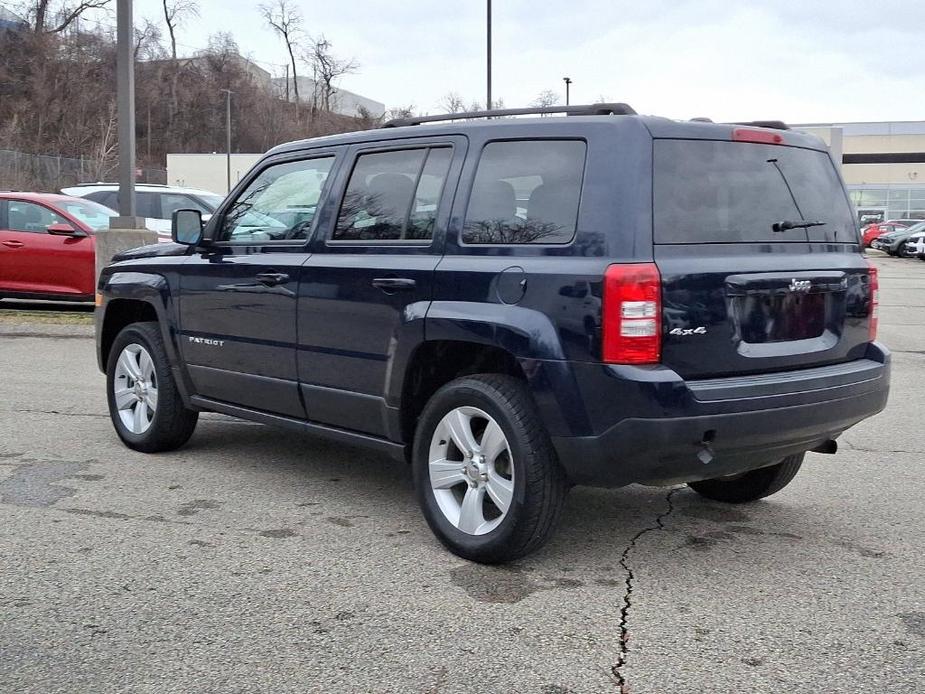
{"x":515,"y":306}
{"x":47,"y":249}
{"x":873,"y":231}
{"x":892,"y":243}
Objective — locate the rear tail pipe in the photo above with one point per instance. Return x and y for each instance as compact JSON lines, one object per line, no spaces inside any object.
{"x":828,"y":447}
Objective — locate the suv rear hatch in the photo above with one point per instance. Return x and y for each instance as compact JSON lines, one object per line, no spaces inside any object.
{"x":758,"y":251}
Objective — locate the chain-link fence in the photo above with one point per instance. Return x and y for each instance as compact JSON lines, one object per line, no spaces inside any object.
{"x":43,"y":173}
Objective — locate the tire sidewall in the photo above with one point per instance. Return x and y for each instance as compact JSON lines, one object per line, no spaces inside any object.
{"x":474,"y":394}
{"x":133,"y":334}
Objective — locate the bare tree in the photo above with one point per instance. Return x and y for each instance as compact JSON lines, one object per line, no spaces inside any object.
{"x":66,"y":13}
{"x":545,"y":98}
{"x":174,"y":12}
{"x":400,"y":112}
{"x":106,"y":147}
{"x":327,"y":68}
{"x":451,"y":102}
{"x":286,"y":20}
{"x":147,"y":40}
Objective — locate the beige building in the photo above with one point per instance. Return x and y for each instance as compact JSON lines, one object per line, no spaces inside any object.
{"x":883,"y":165}
{"x":208,"y":171}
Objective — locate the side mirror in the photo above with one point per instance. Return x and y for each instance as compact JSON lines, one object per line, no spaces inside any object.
{"x":186,"y":227}
{"x":63,"y":229}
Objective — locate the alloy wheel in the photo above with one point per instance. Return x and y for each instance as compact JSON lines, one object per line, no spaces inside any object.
{"x":135,"y":388}
{"x":471,"y":470}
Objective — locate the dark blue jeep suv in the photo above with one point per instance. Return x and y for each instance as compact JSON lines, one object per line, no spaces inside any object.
{"x":516,"y":305}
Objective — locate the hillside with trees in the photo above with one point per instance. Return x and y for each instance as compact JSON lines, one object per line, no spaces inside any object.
{"x":58,"y":89}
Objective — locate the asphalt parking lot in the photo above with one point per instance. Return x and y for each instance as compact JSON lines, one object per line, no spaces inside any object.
{"x":258,"y":561}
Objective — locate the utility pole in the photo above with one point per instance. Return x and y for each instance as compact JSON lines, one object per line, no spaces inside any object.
{"x":488,"y":81}
{"x":125,"y":231}
{"x":568,"y":82}
{"x":228,"y":93}
{"x":125,"y":85}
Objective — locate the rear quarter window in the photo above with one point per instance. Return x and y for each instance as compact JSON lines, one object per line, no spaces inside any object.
{"x":526,"y":191}
{"x":727,"y":192}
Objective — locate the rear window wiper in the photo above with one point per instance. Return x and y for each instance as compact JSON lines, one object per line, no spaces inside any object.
{"x":788,"y":225}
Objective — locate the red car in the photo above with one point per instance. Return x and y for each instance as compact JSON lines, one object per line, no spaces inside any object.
{"x":872,"y":231}
{"x":47,"y":249}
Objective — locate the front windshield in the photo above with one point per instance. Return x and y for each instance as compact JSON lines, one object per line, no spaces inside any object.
{"x":91,"y":213}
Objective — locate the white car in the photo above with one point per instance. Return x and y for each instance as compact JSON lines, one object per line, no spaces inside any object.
{"x":155,"y":202}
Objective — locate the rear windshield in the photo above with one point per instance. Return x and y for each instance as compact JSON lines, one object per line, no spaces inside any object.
{"x":726,"y":192}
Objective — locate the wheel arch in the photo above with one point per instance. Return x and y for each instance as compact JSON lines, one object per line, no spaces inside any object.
{"x":121,"y":313}
{"x":132,"y":297}
{"x":435,"y":363}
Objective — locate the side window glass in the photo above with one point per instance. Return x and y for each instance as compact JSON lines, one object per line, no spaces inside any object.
{"x":104,"y":197}
{"x":27,"y":216}
{"x":379,"y":196}
{"x":279,"y":204}
{"x":146,"y":205}
{"x":526,"y":192}
{"x":423,"y":215}
{"x":109,"y":198}
{"x":171,"y":202}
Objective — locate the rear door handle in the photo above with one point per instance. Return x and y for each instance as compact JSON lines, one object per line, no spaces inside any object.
{"x":394,"y":284}
{"x":13,"y":244}
{"x":271,"y":279}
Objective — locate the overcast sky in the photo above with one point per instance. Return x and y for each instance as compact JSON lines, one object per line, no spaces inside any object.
{"x":802,"y":61}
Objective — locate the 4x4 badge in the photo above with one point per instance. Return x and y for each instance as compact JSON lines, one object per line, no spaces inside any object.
{"x":699,"y":330}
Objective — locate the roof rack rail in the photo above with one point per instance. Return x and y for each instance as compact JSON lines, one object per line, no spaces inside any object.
{"x":773,"y":124}
{"x":617,"y":109}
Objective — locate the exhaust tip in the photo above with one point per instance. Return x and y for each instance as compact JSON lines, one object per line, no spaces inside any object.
{"x":829,"y":447}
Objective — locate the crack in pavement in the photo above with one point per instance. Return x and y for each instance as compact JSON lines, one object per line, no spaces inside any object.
{"x":617,"y":669}
{"x":57,"y":412}
{"x":210,"y":418}
{"x":866,"y":449}
{"x":52,"y":336}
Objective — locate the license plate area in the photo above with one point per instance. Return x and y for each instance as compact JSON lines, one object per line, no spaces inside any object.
{"x":770,"y":308}
{"x":766,"y":318}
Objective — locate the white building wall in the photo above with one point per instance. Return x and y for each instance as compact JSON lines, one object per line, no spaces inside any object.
{"x":207,"y":171}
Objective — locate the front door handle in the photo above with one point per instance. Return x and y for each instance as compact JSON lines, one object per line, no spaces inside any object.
{"x":13,"y":244}
{"x":394,"y":284}
{"x":271,"y":279}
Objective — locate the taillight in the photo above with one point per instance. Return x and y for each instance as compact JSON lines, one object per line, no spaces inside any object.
{"x":874,"y":300}
{"x":632,"y":314}
{"x":762,"y":136}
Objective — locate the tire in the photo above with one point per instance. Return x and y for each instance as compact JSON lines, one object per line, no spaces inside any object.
{"x":171,"y":424}
{"x":527,"y":468}
{"x":752,"y":485}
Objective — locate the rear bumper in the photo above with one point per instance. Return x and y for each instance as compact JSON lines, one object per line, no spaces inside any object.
{"x":683,"y":431}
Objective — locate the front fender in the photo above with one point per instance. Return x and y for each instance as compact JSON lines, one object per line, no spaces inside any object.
{"x":150,"y":288}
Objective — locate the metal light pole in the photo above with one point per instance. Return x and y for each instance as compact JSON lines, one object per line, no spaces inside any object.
{"x":488,"y":81}
{"x":125,"y":84}
{"x":125,"y":231}
{"x":228,"y":94}
{"x":568,"y":82}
